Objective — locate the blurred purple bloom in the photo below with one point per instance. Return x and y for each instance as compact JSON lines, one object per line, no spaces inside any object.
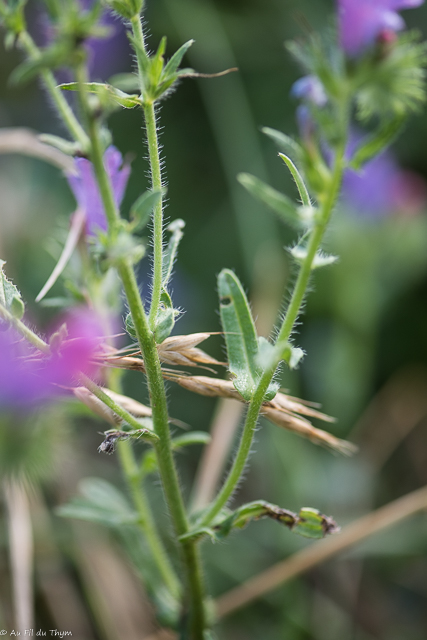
{"x":383,"y":188}
{"x":361,"y":22}
{"x":306,"y":124}
{"x":311,"y":89}
{"x":28,"y":379}
{"x":86,"y":191}
{"x":107,"y":56}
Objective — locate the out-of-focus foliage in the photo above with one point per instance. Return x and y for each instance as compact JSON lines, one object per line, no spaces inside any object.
{"x":364,"y":329}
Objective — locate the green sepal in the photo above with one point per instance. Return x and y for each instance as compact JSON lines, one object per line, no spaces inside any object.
{"x":141,"y":210}
{"x":277,"y":201}
{"x":240,"y":337}
{"x":10,"y":297}
{"x":108,"y":95}
{"x":302,"y":189}
{"x":165,"y":319}
{"x":125,"y":8}
{"x":170,"y":253}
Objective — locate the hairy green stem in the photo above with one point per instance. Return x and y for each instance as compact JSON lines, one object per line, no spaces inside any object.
{"x":156,"y":387}
{"x":62,"y":106}
{"x":156,"y":179}
{"x":163,"y":447}
{"x":146,"y":521}
{"x":291,"y":316}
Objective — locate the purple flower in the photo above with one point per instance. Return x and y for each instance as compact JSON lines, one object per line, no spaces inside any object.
{"x":310,"y":88}
{"x":361,"y":22}
{"x":86,"y":191}
{"x":383,"y":188}
{"x":28,"y":379}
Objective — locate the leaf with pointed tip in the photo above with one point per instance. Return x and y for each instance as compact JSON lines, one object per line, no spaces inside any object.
{"x":240,"y":336}
{"x":169,"y":256}
{"x":10,"y":297}
{"x":277,"y":201}
{"x":173,"y":64}
{"x":140,"y":212}
{"x":285,"y":144}
{"x":302,"y":189}
{"x":67,"y":147}
{"x":108,"y":95}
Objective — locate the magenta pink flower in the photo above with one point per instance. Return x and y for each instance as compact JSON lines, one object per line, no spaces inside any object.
{"x":361,"y":22}
{"x":86,"y":191}
{"x":29,"y":379}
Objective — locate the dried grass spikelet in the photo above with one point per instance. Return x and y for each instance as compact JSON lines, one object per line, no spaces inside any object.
{"x":284,"y":411}
{"x":175,"y":350}
{"x":183,"y":351}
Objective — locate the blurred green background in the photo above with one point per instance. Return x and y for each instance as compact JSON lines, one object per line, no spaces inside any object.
{"x":364,"y":331}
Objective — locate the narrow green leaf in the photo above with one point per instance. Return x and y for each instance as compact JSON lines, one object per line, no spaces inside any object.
{"x":240,"y":334}
{"x":285,"y":144}
{"x":305,"y":198}
{"x":169,"y":256}
{"x":173,"y":64}
{"x":377,"y":142}
{"x":107,"y":94}
{"x":141,"y":210}
{"x":277,"y":201}
{"x":10,"y":297}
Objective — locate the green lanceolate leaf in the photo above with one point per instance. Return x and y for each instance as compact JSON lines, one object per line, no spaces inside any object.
{"x":302,"y":189}
{"x":108,"y":95}
{"x":99,"y":502}
{"x":172,"y":66}
{"x":277,"y":201}
{"x":375,"y":143}
{"x":10,"y":297}
{"x":141,"y":210}
{"x":169,"y":256}
{"x":67,"y":147}
{"x":285,"y":144}
{"x":240,"y":336}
